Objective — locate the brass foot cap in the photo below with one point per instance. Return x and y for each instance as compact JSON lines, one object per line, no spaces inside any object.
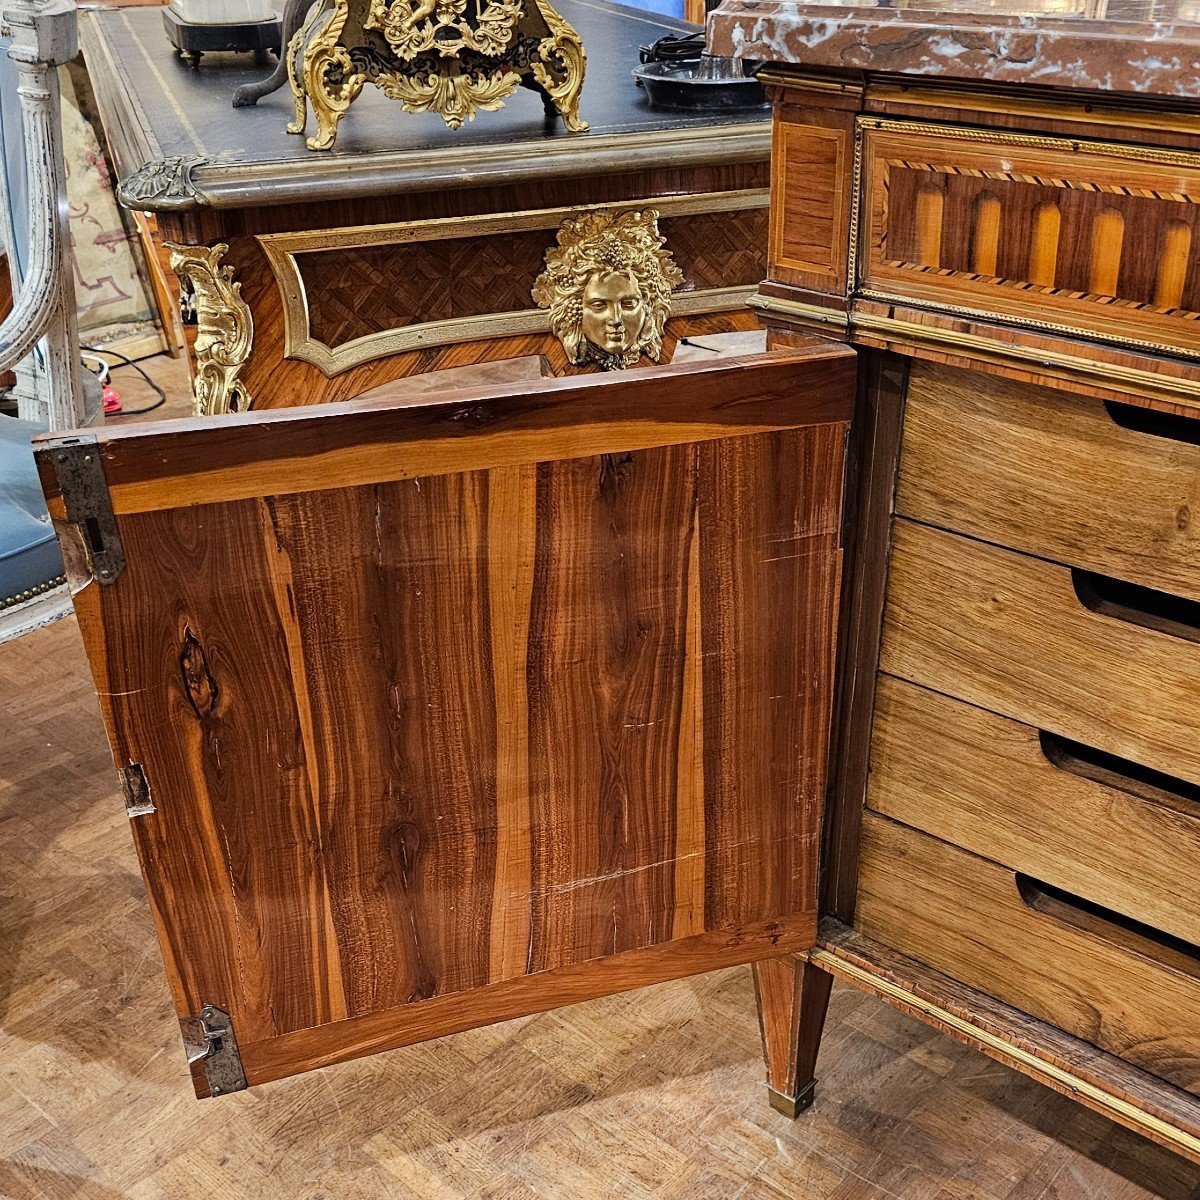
{"x":793,"y":1106}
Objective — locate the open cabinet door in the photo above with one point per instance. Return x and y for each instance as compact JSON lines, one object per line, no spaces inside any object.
{"x":432,"y":715}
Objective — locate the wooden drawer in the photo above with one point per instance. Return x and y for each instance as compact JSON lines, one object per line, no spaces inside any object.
{"x":1119,"y":988}
{"x":1016,"y":635}
{"x":1083,"y":238}
{"x":1112,"y":488}
{"x":1101,"y":829}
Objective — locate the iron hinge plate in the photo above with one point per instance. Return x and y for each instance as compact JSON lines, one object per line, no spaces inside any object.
{"x":85,"y":494}
{"x":209,"y":1039}
{"x":138,"y":801}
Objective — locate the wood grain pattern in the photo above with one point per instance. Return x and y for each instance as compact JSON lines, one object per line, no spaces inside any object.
{"x":1052,"y":474}
{"x":652,"y":1093}
{"x":984,"y":783}
{"x":178,"y":463}
{"x":1008,"y":633}
{"x":729,"y":247}
{"x":354,"y":292}
{"x":427,"y":751}
{"x":1044,"y":357}
{"x":874,"y":453}
{"x":964,"y":916}
{"x":793,"y":997}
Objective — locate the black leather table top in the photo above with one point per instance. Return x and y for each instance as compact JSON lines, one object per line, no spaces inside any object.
{"x":176,"y":127}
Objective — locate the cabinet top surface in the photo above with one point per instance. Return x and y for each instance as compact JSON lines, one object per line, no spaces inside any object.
{"x":179,"y":144}
{"x":1142,"y":47}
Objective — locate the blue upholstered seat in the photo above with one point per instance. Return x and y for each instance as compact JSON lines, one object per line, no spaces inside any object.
{"x":29,"y":558}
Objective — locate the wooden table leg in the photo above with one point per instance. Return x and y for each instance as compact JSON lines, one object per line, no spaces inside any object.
{"x":793,"y":997}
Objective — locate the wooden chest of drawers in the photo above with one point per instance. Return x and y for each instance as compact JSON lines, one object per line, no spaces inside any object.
{"x":1011,"y":243}
{"x":1033,"y":807}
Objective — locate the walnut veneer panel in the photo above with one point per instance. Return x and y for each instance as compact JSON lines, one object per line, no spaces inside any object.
{"x":985,"y":783}
{"x":1087,"y":237}
{"x":967,"y":917}
{"x":1054,"y":474}
{"x":1009,"y":633}
{"x":419,"y":740}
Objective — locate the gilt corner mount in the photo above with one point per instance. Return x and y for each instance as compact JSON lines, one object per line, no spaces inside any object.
{"x":224,"y":328}
{"x":451,"y":57}
{"x":607,"y":285}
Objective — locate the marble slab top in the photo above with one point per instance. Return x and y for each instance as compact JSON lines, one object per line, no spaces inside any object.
{"x":1144,"y":47}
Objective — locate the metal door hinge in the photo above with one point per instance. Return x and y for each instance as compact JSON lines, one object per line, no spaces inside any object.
{"x":85,"y":494}
{"x":209,"y":1038}
{"x":138,"y":801}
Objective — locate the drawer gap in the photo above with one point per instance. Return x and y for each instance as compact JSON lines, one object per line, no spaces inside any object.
{"x":1121,"y":773}
{"x":1155,"y":422}
{"x":1137,"y":605}
{"x":1113,"y":927}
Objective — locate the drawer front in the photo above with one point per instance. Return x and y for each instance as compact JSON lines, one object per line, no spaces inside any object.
{"x":994,"y":930}
{"x":1115,"y":489}
{"x":1011,"y":634}
{"x":1038,"y":805}
{"x":1086,"y":238}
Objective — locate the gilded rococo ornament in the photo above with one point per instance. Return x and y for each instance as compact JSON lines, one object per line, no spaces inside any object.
{"x":607,"y":286}
{"x":451,"y":57}
{"x":224,"y":328}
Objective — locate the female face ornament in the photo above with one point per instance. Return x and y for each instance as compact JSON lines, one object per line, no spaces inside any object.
{"x":607,"y":286}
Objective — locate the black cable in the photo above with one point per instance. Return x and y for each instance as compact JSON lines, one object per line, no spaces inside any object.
{"x":132,"y":412}
{"x":674,"y":48}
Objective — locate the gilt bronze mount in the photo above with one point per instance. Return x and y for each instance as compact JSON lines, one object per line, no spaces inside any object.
{"x":451,"y":57}
{"x":224,"y":328}
{"x":607,"y":285}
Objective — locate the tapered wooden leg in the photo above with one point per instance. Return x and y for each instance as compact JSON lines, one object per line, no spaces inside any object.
{"x":793,"y":997}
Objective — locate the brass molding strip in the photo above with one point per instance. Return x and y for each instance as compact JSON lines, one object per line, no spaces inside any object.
{"x":1117,"y":1106}
{"x":1151,"y":154}
{"x":798,"y":309}
{"x":780,"y":76}
{"x":282,"y":250}
{"x":344,"y":177}
{"x":1071,"y":331}
{"x":1114,"y":375}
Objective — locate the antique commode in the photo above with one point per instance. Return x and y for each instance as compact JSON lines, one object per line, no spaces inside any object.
{"x":1000,"y":206}
{"x":434,"y":711}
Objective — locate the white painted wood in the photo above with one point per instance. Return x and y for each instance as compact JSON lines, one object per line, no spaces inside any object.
{"x":43,"y":38}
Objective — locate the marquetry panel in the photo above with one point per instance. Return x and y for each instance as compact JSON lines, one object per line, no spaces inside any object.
{"x":1096,"y":239}
{"x":356,"y":292}
{"x":359,"y":294}
{"x":811,"y":184}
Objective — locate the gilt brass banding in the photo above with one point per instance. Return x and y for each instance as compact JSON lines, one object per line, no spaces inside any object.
{"x":1113,"y":375}
{"x":1150,"y":154}
{"x":1049,"y":1072}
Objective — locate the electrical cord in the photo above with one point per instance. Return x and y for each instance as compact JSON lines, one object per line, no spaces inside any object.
{"x":131,"y":412}
{"x":674,"y":48}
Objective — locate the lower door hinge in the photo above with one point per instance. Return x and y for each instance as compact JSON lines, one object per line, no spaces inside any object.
{"x":209,"y":1039}
{"x":84,"y":488}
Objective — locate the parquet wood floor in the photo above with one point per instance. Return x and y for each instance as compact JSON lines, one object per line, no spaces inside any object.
{"x":656,"y":1093}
